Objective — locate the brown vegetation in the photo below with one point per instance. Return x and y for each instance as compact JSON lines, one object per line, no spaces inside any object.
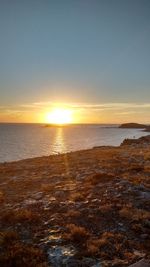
{"x":98,"y":204}
{"x":76,"y":234}
{"x":16,"y":253}
{"x":19,"y":216}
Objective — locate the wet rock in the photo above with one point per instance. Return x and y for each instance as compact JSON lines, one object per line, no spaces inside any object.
{"x":60,"y":255}
{"x":86,"y":262}
{"x":74,"y":263}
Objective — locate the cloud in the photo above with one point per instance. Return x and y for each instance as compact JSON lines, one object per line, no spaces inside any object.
{"x":92,"y":106}
{"x":91,"y":110}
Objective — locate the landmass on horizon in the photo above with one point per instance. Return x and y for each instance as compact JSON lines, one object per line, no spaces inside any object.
{"x":131,"y":125}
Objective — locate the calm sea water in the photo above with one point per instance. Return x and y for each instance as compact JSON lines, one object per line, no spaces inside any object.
{"x":20,"y":141}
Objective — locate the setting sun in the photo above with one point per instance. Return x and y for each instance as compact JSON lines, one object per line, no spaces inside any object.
{"x":59,"y":116}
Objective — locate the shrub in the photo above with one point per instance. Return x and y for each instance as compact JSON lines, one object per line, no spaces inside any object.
{"x":19,"y":216}
{"x":77,"y":234}
{"x":100,"y":177}
{"x":15,"y":253}
{"x":77,"y":197}
{"x":134,"y":214}
{"x":94,"y":245}
{"x":2,"y":198}
{"x":73,"y":213}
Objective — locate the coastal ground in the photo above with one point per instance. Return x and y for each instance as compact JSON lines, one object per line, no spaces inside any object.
{"x":85,"y":208}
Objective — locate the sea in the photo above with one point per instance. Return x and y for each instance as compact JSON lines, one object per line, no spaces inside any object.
{"x":21,"y":141}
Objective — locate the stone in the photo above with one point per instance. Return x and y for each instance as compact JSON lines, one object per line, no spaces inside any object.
{"x":38,"y":195}
{"x":141,"y":263}
{"x":59,"y":194}
{"x":59,"y":255}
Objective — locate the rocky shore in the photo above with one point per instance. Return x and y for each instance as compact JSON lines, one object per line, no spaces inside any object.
{"x":87,"y":208}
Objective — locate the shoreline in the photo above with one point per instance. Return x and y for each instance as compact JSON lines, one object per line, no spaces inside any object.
{"x":56,"y":155}
{"x":83,"y":208}
{"x":65,"y":153}
{"x":23,"y":149}
{"x":80,"y":150}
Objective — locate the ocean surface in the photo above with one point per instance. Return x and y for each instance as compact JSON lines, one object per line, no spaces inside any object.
{"x":20,"y":141}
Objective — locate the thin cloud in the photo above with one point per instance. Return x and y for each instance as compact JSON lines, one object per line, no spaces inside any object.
{"x":125,"y":108}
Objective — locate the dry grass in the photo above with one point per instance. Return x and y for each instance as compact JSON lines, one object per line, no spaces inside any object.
{"x":100,"y":177}
{"x":47,"y":188}
{"x":134,"y":214}
{"x":2,"y":197}
{"x":136,"y":167}
{"x":108,"y":245}
{"x":100,"y":210}
{"x":77,"y":197}
{"x":147,"y":156}
{"x":106,"y":208}
{"x":76,"y":234}
{"x":73,"y":213}
{"x":15,"y":253}
{"x":19,"y":216}
{"x":94,"y":245}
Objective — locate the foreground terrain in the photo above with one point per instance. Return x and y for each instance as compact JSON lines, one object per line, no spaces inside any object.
{"x":86,"y":208}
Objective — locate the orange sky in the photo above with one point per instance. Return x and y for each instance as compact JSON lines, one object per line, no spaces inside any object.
{"x":91,"y":57}
{"x":81,"y":112}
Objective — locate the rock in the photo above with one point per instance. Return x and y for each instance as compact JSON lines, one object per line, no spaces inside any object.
{"x":59,"y":194}
{"x":85,"y":262}
{"x":89,"y":262}
{"x":51,"y":199}
{"x":116,"y":262}
{"x":60,"y":255}
{"x":38,"y":195}
{"x":74,"y":263}
{"x":141,"y":263}
{"x":30,"y":201}
{"x":140,"y":141}
{"x":139,"y":254}
{"x":144,"y":236}
{"x":147,"y":129}
{"x":145,"y":195}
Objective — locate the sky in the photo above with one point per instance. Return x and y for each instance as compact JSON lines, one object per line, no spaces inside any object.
{"x":91,"y":56}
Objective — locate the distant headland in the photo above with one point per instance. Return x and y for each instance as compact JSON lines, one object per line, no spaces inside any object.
{"x":133,"y":125}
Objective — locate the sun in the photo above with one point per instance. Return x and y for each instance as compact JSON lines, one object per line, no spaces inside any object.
{"x":59,"y":116}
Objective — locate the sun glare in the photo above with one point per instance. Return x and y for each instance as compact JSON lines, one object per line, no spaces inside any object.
{"x":59,"y":116}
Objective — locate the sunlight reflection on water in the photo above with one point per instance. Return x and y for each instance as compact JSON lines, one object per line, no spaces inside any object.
{"x":59,"y":144}
{"x":20,"y":141}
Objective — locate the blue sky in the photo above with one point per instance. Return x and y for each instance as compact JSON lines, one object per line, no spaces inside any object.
{"x":71,"y":51}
